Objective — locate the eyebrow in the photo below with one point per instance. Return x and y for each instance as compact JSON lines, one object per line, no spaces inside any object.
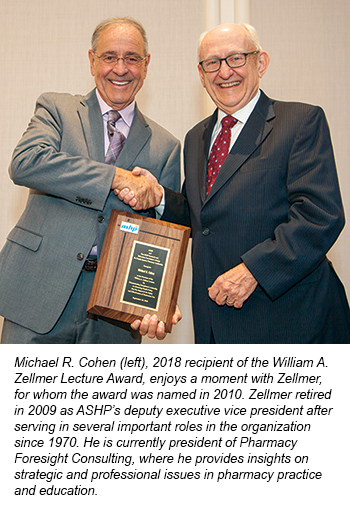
{"x":112,"y":53}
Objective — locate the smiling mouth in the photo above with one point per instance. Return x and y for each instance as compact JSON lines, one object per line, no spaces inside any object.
{"x":229,"y":84}
{"x":120,"y":83}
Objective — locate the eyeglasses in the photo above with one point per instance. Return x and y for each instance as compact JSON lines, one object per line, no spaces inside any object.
{"x":129,"y":61}
{"x":233,"y":61}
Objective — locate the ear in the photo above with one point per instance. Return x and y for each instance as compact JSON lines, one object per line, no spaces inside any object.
{"x":201,"y":75}
{"x":147,"y":61}
{"x":263,"y":63}
{"x":92,"y":62}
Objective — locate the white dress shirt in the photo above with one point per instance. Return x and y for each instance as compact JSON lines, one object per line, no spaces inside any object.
{"x":242,"y":116}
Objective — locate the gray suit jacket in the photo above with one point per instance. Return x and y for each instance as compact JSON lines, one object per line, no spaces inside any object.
{"x":61,"y":159}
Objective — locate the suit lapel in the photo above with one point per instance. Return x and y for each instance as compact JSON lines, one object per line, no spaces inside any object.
{"x":89,"y":113}
{"x":139,"y":135}
{"x":203,"y":152}
{"x":252,"y":135}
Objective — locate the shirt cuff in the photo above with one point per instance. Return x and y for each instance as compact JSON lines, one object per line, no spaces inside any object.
{"x":161,"y":207}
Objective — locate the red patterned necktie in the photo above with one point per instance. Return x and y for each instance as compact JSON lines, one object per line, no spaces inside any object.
{"x":116,"y":138}
{"x":219,"y":150}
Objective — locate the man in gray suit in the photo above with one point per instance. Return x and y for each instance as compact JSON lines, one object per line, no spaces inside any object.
{"x":47,"y":264}
{"x":262,"y":225}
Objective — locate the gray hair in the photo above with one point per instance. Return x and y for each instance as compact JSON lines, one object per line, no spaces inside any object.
{"x":115,"y":22}
{"x":252,"y":36}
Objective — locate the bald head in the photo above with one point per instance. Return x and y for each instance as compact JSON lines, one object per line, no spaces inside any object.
{"x":228,"y":30}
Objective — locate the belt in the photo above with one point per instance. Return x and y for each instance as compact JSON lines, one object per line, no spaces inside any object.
{"x":90,"y":265}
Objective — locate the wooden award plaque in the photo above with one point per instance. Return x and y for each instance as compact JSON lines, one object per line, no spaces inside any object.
{"x":140,"y":269}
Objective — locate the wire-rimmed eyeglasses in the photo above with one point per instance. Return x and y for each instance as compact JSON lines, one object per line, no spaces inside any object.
{"x":112,"y":60}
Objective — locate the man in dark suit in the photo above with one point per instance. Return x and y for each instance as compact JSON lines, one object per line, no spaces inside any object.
{"x":47,"y":264}
{"x":262,"y":225}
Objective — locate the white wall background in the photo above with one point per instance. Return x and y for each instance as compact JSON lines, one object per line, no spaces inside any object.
{"x":44,"y":48}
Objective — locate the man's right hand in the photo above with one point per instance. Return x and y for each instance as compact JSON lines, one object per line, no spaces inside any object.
{"x":139,"y":188}
{"x":151,"y":327}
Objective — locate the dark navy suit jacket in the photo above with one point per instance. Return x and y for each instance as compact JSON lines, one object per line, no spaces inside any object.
{"x":276,"y":206}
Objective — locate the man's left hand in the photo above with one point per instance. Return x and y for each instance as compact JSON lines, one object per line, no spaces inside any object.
{"x":234,"y":287}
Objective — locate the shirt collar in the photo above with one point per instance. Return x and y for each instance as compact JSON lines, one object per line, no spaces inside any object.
{"x":243,"y":114}
{"x":127,"y":113}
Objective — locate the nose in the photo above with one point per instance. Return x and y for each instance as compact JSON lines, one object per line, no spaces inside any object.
{"x":225,"y":71}
{"x":120,"y":66}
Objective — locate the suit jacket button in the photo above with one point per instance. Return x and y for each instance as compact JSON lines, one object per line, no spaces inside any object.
{"x":80,"y":256}
{"x":101,"y":219}
{"x":206,"y":231}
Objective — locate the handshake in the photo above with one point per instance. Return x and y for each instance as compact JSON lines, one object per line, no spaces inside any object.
{"x":137,"y":188}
